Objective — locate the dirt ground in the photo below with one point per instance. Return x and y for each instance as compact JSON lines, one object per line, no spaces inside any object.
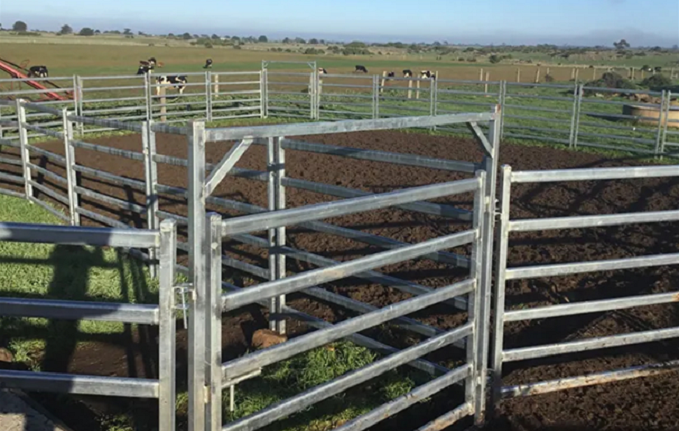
{"x":646,"y":404}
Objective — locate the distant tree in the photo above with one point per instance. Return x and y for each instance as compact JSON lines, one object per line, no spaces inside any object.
{"x":300,"y":40}
{"x":674,"y":47}
{"x":656,"y":49}
{"x":287,"y":40}
{"x":322,"y":41}
{"x":263,"y":39}
{"x":127,"y":32}
{"x":186,"y":36}
{"x":313,"y":41}
{"x":215,"y":37}
{"x":437,"y":43}
{"x":65,"y":29}
{"x":208,"y":45}
{"x":494,"y":59}
{"x":236,"y":39}
{"x":86,"y":31}
{"x":20,"y":26}
{"x":622,"y":45}
{"x":97,"y":31}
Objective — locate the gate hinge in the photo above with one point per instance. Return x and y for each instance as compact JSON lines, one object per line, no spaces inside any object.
{"x":186,"y":293}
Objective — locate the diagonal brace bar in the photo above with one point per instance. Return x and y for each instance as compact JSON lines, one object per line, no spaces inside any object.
{"x":226,"y":164}
{"x":481,"y":137}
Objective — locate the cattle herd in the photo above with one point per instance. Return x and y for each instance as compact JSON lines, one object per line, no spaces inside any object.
{"x":407,"y":73}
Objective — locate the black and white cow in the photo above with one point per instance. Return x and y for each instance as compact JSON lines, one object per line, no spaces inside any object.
{"x":360,"y":68}
{"x":391,"y":75}
{"x":407,"y":73}
{"x":427,"y":74}
{"x":143,"y":69}
{"x":178,"y":82}
{"x":38,"y":72}
{"x":322,"y":71}
{"x":208,"y":64}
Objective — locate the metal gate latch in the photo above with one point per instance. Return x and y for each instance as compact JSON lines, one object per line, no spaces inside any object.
{"x":186,"y":293}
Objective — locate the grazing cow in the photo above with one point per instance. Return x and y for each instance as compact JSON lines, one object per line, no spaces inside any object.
{"x":38,"y":72}
{"x":208,"y":64}
{"x":322,"y":71}
{"x":360,"y":68}
{"x":150,"y":63}
{"x":427,"y":74}
{"x":143,"y":70}
{"x":391,"y":75}
{"x":178,"y":82}
{"x":407,"y":73}
{"x":658,"y":69}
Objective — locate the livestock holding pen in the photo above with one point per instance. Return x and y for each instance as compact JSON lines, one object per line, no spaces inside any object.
{"x":189,"y":174}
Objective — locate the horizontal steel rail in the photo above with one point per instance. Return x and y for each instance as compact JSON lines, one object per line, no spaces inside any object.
{"x":66,"y":235}
{"x":290,"y":130}
{"x":589,"y":380}
{"x":11,"y":193}
{"x":401,"y":403}
{"x":139,"y":209}
{"x":12,"y":178}
{"x":49,"y":208}
{"x":105,"y":123}
{"x":107,"y":176}
{"x":449,"y":419}
{"x":108,"y":150}
{"x":80,"y":385}
{"x":294,"y":216}
{"x":356,"y":377}
{"x":49,"y":174}
{"x":532,"y":225}
{"x":47,"y":154}
{"x":49,"y":192}
{"x":534,"y":352}
{"x":80,"y":310}
{"x":102,"y":219}
{"x":41,"y":108}
{"x":571,"y":309}
{"x":343,"y":270}
{"x":594,"y":174}
{"x":560,"y":269}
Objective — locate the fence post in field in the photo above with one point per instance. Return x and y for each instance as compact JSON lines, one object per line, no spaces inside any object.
{"x":417,"y":93}
{"x":277,"y":202}
{"x":384,"y":77}
{"x":577,"y":75}
{"x":263,"y":93}
{"x":215,"y":79}
{"x":376,"y":90}
{"x":573,"y":74}
{"x":487,"y":79}
{"x":518,"y":74}
{"x":481,"y":74}
{"x":537,"y":76}
{"x":148,"y":95}
{"x":312,"y":96}
{"x":23,"y":146}
{"x":81,"y":108}
{"x":575,"y":120}
{"x":662,"y":119}
{"x":148,"y":139}
{"x":71,"y":176}
{"x":208,"y":95}
{"x":502,"y":100}
{"x":410,"y":89}
{"x":668,"y":111}
{"x":75,"y":95}
{"x":163,"y":103}
{"x":197,"y":340}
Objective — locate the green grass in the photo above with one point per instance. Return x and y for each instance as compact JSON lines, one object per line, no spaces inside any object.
{"x":45,"y":271}
{"x":311,"y":369}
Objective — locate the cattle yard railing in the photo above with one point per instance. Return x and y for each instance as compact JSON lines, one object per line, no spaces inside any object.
{"x":571,"y":114}
{"x":472,"y":294}
{"x":502,"y":316}
{"x":162,"y":315}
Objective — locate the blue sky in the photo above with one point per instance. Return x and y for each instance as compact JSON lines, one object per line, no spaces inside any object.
{"x":457,"y":21}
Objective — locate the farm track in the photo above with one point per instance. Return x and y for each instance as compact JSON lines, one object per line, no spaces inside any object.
{"x":647,"y":404}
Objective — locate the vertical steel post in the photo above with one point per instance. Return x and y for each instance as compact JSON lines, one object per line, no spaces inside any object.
{"x":668,"y":111}
{"x":213,"y":372}
{"x":661,"y":119}
{"x":503,"y":102}
{"x":279,"y":161}
{"x":312,"y":96}
{"x":484,"y":290}
{"x":578,"y":108}
{"x":71,"y":179}
{"x":375,"y":95}
{"x":197,"y":275}
{"x":23,"y":145}
{"x":265,"y":93}
{"x":167,"y":328}
{"x":574,"y":115}
{"x":148,"y":139}
{"x":475,"y":300}
{"x":148,"y":94}
{"x":208,"y":95}
{"x":502,"y":239}
{"x":81,"y":107}
{"x":75,"y":95}
{"x":272,"y":203}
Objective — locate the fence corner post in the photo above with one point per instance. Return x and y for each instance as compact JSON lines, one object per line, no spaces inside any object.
{"x":264,"y":93}
{"x":662,"y":119}
{"x":208,"y":95}
{"x":71,"y":176}
{"x":23,"y":146}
